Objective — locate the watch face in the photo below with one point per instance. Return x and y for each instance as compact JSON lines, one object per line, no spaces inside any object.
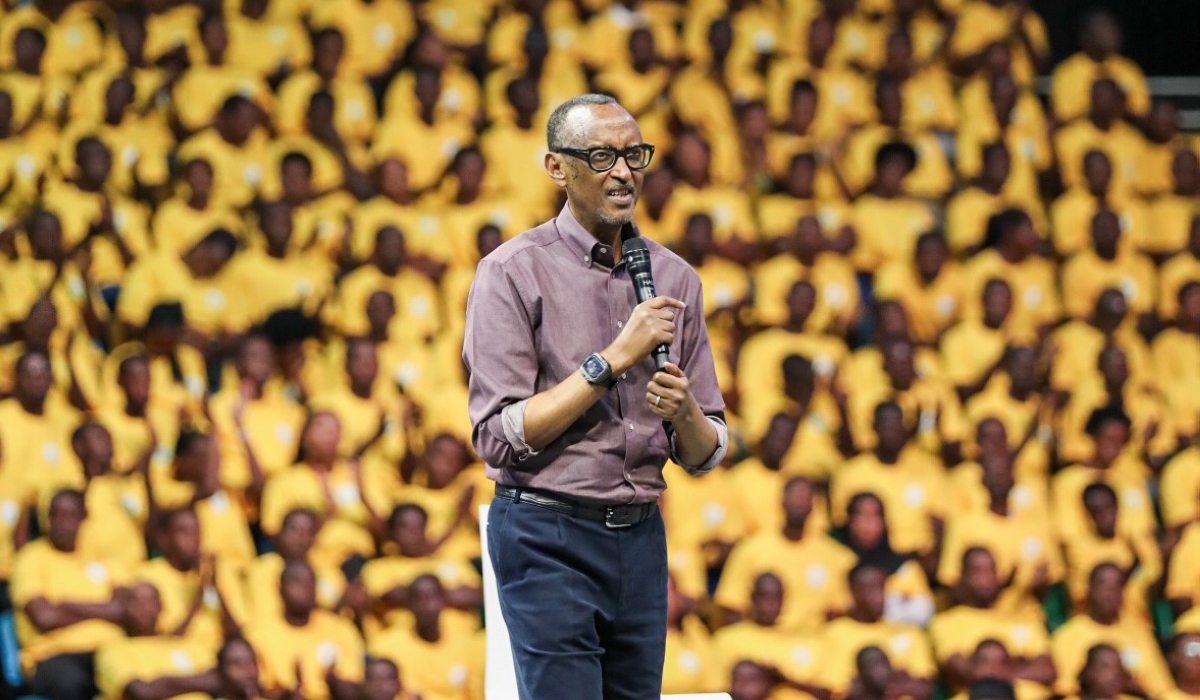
{"x":594,"y":366}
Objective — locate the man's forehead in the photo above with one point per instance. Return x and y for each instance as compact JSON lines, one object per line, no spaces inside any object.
{"x":609,"y":124}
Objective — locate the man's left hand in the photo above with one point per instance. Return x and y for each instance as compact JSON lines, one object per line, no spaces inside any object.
{"x":669,"y":395}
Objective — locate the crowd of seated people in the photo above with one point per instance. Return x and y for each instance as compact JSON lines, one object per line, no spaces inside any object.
{"x":956,"y":323}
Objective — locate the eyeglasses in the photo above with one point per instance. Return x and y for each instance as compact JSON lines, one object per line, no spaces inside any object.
{"x":603,"y":158}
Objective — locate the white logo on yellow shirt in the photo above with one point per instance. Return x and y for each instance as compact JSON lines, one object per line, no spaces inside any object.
{"x":50,"y":452}
{"x":914,"y":495}
{"x":131,"y":504}
{"x":499,"y":218}
{"x":406,"y":374}
{"x":74,"y":37}
{"x":214,"y":299}
{"x":1021,"y":634}
{"x":1031,"y":547}
{"x":856,"y":41}
{"x":714,"y":514}
{"x":764,"y":41}
{"x":1020,"y":496}
{"x":722,"y":215}
{"x":96,"y":572}
{"x":722,"y":295}
{"x":1130,"y":657}
{"x":419,"y":306}
{"x":823,"y":365}
{"x":219,"y":502}
{"x":688,"y":661}
{"x":927,"y":104}
{"x":26,"y":166}
{"x":1129,"y":288}
{"x":129,"y":155}
{"x":835,"y":295}
{"x":945,"y":305}
{"x":383,"y":34}
{"x":816,"y":575}
{"x":1033,"y":295}
{"x":1132,"y":498}
{"x":252,"y":174}
{"x":212,"y":600}
{"x":182,"y":662}
{"x":327,"y":654}
{"x":327,"y":589}
{"x":901,"y":643}
{"x":562,"y":38}
{"x":346,"y":494}
{"x":451,"y":99}
{"x":284,"y":433}
{"x":457,"y":675}
{"x":76,"y":288}
{"x":802,"y":655}
{"x":10,"y":513}
{"x":450,"y":147}
{"x":276,"y":35}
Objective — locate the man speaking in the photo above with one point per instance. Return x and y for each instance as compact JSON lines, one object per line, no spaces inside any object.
{"x":575,"y":422}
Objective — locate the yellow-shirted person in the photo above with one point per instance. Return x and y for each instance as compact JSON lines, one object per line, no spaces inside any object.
{"x":908,"y":598}
{"x":201,"y":90}
{"x":1135,"y":553}
{"x":515,"y":151}
{"x":1176,"y":352}
{"x":974,"y":349}
{"x":929,"y":287}
{"x":355,"y":116}
{"x":1078,"y":343}
{"x":805,"y":252}
{"x":419,"y":316}
{"x":690,"y":663}
{"x":1170,"y":214}
{"x":1072,"y":214}
{"x":996,"y":111}
{"x":425,"y":141}
{"x":991,"y":665}
{"x":926,"y":91}
{"x":760,"y":639}
{"x":1013,"y":525}
{"x":968,"y":211}
{"x":640,"y":85}
{"x":116,"y":502}
{"x":236,"y":147}
{"x":1010,"y":253}
{"x":148,"y":659}
{"x":864,"y":625}
{"x":181,"y":221}
{"x":982,"y":22}
{"x":886,"y":218}
{"x":772,"y":462}
{"x":376,"y":32}
{"x":35,"y":432}
{"x":807,"y":186}
{"x":33,"y":88}
{"x":703,"y":516}
{"x":909,"y":482}
{"x":726,"y":286}
{"x":388,"y":579}
{"x":1180,"y":491}
{"x":697,"y":190}
{"x":202,"y":598}
{"x":66,"y":606}
{"x":1099,"y":55}
{"x":352,"y":496}
{"x":1105,"y":266}
{"x":1183,"y":576}
{"x":1103,"y":623}
{"x":256,"y":425}
{"x":1103,"y":128}
{"x":293,"y":542}
{"x":195,"y":479}
{"x":281,"y":276}
{"x":450,"y":487}
{"x":930,"y":175}
{"x":437,"y":660}
{"x":816,"y":589}
{"x":1112,"y":464}
{"x":977,"y":617}
{"x":73,"y":37}
{"x":265,"y":42}
{"x":1177,"y":271}
{"x":306,"y":649}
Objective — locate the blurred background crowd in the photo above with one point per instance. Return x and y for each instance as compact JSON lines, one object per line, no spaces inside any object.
{"x":957,"y":323}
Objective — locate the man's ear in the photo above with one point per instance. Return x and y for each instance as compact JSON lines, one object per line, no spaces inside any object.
{"x":556,"y":169}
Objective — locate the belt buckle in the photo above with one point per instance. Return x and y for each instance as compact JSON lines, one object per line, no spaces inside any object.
{"x":614,"y":521}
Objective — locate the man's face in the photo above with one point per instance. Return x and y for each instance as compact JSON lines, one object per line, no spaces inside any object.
{"x":142,"y":608}
{"x":67,"y":513}
{"x":606,"y":198}
{"x":239,"y":669}
{"x":298,"y":589}
{"x":33,"y":378}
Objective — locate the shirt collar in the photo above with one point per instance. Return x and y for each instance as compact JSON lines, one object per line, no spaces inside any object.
{"x":584,"y":245}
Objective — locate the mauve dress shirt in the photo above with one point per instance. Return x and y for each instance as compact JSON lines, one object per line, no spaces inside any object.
{"x":539,"y":305}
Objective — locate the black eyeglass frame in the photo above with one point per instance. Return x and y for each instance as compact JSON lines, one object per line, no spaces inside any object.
{"x":586,"y":154}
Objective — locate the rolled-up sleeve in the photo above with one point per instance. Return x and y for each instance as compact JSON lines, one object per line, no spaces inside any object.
{"x":501,"y":360}
{"x":696,"y":361}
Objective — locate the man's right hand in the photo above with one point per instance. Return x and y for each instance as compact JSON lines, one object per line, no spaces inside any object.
{"x":652,"y":323}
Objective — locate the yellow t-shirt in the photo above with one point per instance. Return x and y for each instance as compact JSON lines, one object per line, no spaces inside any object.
{"x":448,"y":669}
{"x":1085,"y":553}
{"x":690,"y":664}
{"x":354,"y":105}
{"x":1071,"y":220}
{"x":265,"y":45}
{"x":40,"y":571}
{"x":264,"y":602}
{"x":427,"y":149}
{"x":1019,"y":544}
{"x":326,"y":642}
{"x":960,"y":629}
{"x":837,"y":290}
{"x":176,"y":227}
{"x":1183,"y":575}
{"x":913,"y":491}
{"x":418,"y":314}
{"x":981,"y":23}
{"x":1086,"y":275}
{"x":1169,"y":221}
{"x":375,"y":33}
{"x":1035,"y":294}
{"x":1180,"y":491}
{"x":907,"y":648}
{"x":516,"y":165}
{"x":1122,"y":144}
{"x":697,"y":510}
{"x":273,"y":425}
{"x":811,"y":590}
{"x":178,"y":589}
{"x":932,"y":176}
{"x":1071,"y":84}
{"x":117,"y":513}
{"x":887,"y":229}
{"x":238,"y":171}
{"x":1173,"y":275}
{"x":932,"y":307}
{"x":1136,"y":515}
{"x":73,"y":42}
{"x":1134,"y":639}
{"x":38,"y":457}
{"x":759,"y":371}
{"x":200,"y":92}
{"x":124,"y":661}
{"x":970,"y":348}
{"x":800,"y":657}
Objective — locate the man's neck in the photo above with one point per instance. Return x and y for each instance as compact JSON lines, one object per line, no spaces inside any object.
{"x":794,"y":531}
{"x":889,"y":457}
{"x":32,"y":406}
{"x":1106,"y":620}
{"x":135,"y":409}
{"x":296,"y":619}
{"x":429,"y":629}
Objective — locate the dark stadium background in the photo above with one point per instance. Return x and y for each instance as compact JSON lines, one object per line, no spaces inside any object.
{"x":1162,"y":36}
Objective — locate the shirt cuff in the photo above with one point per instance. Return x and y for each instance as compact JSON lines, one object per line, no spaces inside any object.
{"x":715,"y":458}
{"x":513,"y":418}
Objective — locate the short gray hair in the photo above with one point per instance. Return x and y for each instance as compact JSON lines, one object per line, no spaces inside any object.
{"x":556,"y":126}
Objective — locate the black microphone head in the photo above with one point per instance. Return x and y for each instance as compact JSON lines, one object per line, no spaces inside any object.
{"x":636,"y":255}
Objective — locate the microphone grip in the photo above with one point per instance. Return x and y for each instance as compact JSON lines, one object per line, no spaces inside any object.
{"x":660,"y":356}
{"x":643,"y":285}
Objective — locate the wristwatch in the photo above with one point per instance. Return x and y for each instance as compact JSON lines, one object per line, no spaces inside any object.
{"x":596,"y":370}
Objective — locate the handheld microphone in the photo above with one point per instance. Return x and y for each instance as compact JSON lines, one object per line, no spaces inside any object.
{"x":637,"y":261}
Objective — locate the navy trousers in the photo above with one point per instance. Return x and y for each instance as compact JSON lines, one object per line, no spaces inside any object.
{"x":585,"y":605}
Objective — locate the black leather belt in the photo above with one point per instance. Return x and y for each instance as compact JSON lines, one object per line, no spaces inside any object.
{"x":615,"y":516}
